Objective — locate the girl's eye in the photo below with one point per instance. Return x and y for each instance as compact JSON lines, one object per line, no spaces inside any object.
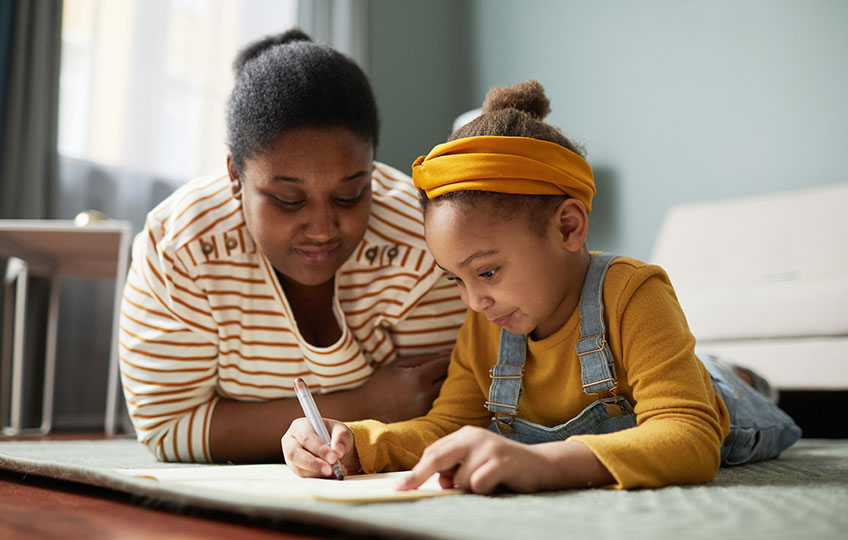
{"x":453,"y":279}
{"x":490,"y":274}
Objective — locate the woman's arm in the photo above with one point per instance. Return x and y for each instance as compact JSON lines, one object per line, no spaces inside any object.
{"x":168,"y":361}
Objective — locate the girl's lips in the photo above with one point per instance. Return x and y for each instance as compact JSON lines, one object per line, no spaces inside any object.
{"x":316,"y":255}
{"x":503,"y":321}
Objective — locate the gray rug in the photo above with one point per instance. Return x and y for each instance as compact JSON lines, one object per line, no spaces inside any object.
{"x":804,"y":494}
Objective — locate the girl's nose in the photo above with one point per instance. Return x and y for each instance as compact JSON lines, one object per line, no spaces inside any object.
{"x":478,"y":300}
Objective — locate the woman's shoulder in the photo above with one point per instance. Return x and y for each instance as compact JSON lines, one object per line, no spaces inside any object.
{"x":201,"y":211}
{"x":386,"y":181}
{"x":396,"y":220}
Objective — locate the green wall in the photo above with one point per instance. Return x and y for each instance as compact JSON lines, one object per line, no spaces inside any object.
{"x":420,"y":69}
{"x":675,"y":101}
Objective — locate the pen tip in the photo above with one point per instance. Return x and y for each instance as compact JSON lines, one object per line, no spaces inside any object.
{"x":338,"y":471}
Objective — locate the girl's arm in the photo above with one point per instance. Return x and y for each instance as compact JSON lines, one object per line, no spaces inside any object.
{"x":399,"y":446}
{"x":681,"y":420}
{"x":479,"y":460}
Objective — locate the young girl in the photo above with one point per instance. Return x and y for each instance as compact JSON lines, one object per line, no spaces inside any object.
{"x":583,"y":355}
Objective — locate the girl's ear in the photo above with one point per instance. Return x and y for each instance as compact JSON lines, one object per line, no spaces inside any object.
{"x":572,"y":222}
{"x":235,"y":181}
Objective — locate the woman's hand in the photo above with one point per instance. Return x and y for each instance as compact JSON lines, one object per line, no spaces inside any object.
{"x":308,"y":456}
{"x":478,"y":460}
{"x":405,"y":388}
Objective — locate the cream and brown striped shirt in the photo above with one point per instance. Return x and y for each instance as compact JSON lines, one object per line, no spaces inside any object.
{"x":203,"y":314}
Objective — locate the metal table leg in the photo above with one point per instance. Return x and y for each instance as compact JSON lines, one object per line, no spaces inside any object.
{"x":18,"y":272}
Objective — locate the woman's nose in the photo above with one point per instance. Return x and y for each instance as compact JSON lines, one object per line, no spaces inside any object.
{"x":320,"y":223}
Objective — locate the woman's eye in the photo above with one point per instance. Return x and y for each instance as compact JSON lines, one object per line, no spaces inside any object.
{"x":348,"y":202}
{"x":288,"y":204}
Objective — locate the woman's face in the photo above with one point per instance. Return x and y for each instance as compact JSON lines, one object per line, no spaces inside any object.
{"x":307,"y":200}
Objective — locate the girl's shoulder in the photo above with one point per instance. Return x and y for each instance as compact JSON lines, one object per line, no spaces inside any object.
{"x":631,"y":271}
{"x":627,"y":275}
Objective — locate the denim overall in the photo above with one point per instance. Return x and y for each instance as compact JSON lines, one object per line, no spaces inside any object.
{"x":759,"y":430}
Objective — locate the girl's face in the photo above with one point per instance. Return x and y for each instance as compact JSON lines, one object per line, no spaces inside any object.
{"x":307,"y":200}
{"x":505,"y":269}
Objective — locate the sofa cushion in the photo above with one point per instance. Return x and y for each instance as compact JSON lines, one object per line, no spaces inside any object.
{"x":761,"y":267}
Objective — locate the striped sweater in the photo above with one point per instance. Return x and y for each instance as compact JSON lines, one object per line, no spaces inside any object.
{"x":203,"y":314}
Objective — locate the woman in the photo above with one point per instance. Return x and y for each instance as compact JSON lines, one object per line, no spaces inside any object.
{"x":306,"y":260}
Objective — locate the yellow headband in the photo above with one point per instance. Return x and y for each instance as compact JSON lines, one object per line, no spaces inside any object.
{"x":518,"y":165}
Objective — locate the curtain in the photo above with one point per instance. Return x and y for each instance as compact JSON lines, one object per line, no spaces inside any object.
{"x":30,"y":48}
{"x":30,"y":45}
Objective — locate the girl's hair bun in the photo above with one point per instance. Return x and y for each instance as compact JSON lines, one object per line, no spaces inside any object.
{"x":528,"y":97}
{"x":258,"y":47}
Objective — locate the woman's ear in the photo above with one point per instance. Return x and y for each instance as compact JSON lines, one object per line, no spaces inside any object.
{"x":235,"y":180}
{"x":572,"y":222}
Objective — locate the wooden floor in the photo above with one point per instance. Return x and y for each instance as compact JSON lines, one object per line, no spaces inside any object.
{"x":33,"y":507}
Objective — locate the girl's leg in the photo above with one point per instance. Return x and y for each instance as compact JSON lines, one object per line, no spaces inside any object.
{"x":757,"y":382}
{"x":759,"y":430}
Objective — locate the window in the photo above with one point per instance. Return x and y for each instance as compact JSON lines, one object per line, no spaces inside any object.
{"x":144,"y":83}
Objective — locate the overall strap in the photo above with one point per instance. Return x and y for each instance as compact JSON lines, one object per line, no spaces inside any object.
{"x":505,"y":390}
{"x":596,"y":361}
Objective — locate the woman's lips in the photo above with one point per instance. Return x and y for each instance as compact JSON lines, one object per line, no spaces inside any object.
{"x":316,"y":255}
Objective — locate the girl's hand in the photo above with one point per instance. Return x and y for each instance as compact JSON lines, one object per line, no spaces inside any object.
{"x":308,"y":456}
{"x":478,"y":460}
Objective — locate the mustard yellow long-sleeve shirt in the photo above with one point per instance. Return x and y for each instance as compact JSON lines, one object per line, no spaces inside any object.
{"x":681,"y":420}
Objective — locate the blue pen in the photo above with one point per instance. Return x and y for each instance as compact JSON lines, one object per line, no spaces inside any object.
{"x":314,"y":417}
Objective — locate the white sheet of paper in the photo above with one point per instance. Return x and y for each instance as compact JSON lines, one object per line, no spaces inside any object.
{"x":278,"y":481}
